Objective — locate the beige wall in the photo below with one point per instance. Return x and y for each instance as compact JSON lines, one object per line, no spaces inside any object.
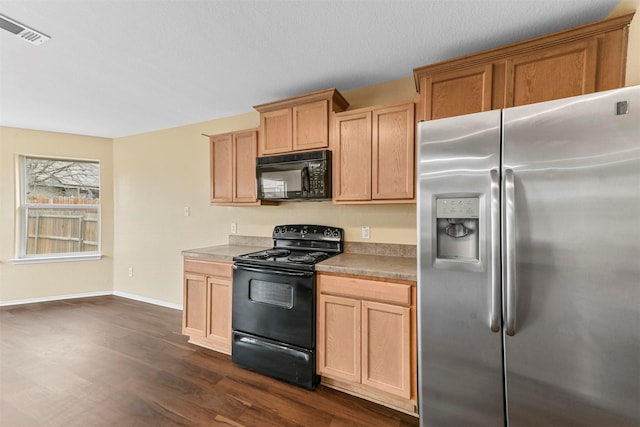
{"x":148,"y":179}
{"x":157,"y":174}
{"x":25,"y":281}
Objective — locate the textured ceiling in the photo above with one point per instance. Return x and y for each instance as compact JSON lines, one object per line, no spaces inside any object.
{"x":121,"y":67}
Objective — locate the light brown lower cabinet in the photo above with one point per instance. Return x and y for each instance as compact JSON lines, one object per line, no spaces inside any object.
{"x":206,"y":315}
{"x":366,"y":339}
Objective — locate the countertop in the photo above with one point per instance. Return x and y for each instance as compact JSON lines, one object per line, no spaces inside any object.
{"x":222,"y":252}
{"x":383,"y":261}
{"x":377,"y":266}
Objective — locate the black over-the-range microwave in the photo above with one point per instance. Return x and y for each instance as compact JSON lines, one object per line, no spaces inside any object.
{"x":295,"y":176}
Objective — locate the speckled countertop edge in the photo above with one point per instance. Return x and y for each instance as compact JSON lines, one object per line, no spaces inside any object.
{"x":222,"y":252}
{"x":377,"y":266}
{"x":377,"y":260}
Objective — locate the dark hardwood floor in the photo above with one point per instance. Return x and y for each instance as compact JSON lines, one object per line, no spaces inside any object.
{"x":110,"y":361}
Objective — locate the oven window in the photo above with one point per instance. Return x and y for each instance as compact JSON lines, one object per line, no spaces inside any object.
{"x":279,"y":294}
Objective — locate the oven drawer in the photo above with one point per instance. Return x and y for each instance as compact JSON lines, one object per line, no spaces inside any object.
{"x":285,"y":362}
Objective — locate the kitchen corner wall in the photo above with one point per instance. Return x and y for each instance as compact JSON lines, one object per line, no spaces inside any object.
{"x":158,"y":174}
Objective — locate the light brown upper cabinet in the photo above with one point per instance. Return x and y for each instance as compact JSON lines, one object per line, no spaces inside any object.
{"x":581,"y":60}
{"x":456,"y":92}
{"x":233,"y":168}
{"x":299,"y":123}
{"x":373,"y":155}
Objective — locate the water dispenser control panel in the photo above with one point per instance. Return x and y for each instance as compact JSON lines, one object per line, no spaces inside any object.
{"x":457,"y":229}
{"x":467,"y":207}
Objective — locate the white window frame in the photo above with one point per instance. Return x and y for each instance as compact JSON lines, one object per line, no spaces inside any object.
{"x":24,"y":207}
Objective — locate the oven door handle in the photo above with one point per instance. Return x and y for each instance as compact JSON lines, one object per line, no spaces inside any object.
{"x":279,"y":272}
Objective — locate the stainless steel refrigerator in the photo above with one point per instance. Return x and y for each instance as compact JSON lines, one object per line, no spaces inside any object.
{"x":529,"y":265}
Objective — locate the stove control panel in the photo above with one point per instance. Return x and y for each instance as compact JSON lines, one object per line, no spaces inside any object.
{"x":308,"y":232}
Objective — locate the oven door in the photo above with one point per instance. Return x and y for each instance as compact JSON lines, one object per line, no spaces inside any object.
{"x":275,"y":304}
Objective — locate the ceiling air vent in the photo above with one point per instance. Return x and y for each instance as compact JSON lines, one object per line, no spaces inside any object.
{"x":25,"y":33}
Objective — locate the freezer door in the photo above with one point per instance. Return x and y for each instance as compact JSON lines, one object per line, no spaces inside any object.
{"x":572,"y":309}
{"x":459,"y":339}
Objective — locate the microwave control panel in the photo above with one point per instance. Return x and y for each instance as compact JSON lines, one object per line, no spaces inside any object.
{"x":317,"y":178}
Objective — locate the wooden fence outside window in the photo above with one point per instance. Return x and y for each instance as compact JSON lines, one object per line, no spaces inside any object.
{"x":55,"y":229}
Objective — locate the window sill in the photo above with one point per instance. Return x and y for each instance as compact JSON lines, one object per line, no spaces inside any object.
{"x":57,"y":258}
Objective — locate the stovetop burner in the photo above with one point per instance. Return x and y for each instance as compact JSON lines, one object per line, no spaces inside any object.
{"x":278,"y":252}
{"x":311,"y":257}
{"x":269,"y":253}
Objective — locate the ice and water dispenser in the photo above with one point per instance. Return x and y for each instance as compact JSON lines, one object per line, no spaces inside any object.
{"x":457,"y":228}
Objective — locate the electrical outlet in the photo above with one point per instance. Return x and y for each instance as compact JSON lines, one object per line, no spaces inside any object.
{"x":187,"y":211}
{"x":365,"y":232}
{"x":234,"y":228}
{"x":130,"y":271}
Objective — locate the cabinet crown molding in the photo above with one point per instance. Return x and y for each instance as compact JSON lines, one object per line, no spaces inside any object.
{"x":339,"y":103}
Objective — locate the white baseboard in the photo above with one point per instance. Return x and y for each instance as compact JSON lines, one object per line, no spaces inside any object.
{"x":54,"y":298}
{"x":147,"y":300}
{"x":93,"y":294}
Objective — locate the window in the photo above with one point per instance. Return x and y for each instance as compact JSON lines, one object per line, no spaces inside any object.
{"x":60,"y":208}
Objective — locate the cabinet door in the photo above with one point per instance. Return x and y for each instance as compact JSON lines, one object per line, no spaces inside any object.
{"x":245,"y":153}
{"x":275,"y":132}
{"x":339,"y":340}
{"x":219,"y":313}
{"x":612,"y":59}
{"x":194,"y":313}
{"x":556,"y":72}
{"x":393,"y":153}
{"x":455,"y":93}
{"x":221,"y":151}
{"x":386,"y":348}
{"x":311,"y":125}
{"x":352,"y":157}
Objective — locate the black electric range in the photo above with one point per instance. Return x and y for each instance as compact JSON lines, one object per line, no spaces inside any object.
{"x":274,"y":303}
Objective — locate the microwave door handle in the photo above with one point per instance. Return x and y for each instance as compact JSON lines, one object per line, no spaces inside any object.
{"x":305,"y":180}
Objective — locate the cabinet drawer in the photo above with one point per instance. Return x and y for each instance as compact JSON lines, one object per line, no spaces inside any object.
{"x":395,"y":293}
{"x":208,"y":268}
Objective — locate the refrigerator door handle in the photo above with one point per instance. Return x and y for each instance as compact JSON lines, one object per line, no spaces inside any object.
{"x":494,"y":315}
{"x":510,"y":253}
